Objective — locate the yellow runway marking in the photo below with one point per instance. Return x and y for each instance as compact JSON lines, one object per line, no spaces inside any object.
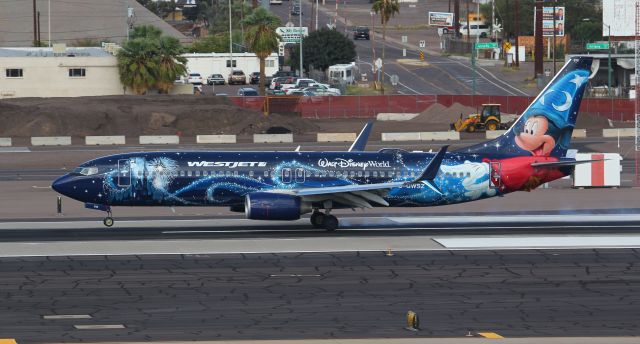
{"x":490,"y":335}
{"x":8,"y":341}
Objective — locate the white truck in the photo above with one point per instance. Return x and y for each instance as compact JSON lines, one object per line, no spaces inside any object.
{"x":342,"y":73}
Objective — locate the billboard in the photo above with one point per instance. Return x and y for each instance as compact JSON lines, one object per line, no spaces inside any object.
{"x":620,"y":15}
{"x":548,"y":22}
{"x":440,"y":18}
{"x":292,"y":34}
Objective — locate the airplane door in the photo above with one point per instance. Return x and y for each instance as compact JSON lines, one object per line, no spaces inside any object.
{"x":124,"y":172}
{"x":495,"y":170}
{"x":286,"y":175}
{"x":299,"y":175}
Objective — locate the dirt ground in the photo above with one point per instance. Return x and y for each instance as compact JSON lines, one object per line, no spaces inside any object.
{"x":192,"y":115}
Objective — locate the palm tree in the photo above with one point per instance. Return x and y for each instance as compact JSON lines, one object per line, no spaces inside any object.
{"x":261,"y":37}
{"x":385,"y":9}
{"x":170,"y":63}
{"x":145,"y":31}
{"x":137,"y":63}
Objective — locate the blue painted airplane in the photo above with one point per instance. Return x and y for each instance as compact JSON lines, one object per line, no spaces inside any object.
{"x":286,"y":185}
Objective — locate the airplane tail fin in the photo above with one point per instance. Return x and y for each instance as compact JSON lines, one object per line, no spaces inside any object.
{"x":545,"y":127}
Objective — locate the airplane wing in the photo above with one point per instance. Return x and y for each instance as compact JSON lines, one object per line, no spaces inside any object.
{"x":361,"y":141}
{"x":360,"y":196}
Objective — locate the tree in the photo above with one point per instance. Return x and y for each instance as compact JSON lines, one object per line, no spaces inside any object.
{"x":325,"y":47}
{"x":170,"y":63}
{"x":137,"y":62}
{"x":261,"y":37}
{"x":386,"y":9}
{"x":149,"y":59}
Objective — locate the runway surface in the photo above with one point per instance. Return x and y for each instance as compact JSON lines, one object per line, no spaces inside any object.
{"x":148,"y":282}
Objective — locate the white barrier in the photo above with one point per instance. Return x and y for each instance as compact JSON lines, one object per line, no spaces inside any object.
{"x":104,"y":140}
{"x":439,"y":136}
{"x":400,"y":136}
{"x":386,"y":116}
{"x":336,"y":137}
{"x":215,"y":139}
{"x":159,"y":140}
{"x":272,"y":138}
{"x":5,"y":142}
{"x":51,"y":141}
{"x":604,"y":173}
{"x":492,"y":134}
{"x":622,"y":132}
{"x":579,"y":133}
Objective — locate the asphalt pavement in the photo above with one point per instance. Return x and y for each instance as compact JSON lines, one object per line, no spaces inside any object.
{"x":525,"y":293}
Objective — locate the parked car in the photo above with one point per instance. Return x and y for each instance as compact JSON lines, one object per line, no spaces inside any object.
{"x":215,"y":79}
{"x":282,"y":73}
{"x":295,"y":10}
{"x":323,"y":89}
{"x":195,"y":79}
{"x":475,"y":30}
{"x":361,"y":32}
{"x":298,"y":83}
{"x":275,"y":2}
{"x":280,"y":83}
{"x":237,"y":77}
{"x":254,"y":78}
{"x":247,"y":92}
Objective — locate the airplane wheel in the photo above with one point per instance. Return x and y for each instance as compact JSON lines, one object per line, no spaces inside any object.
{"x":108,"y":221}
{"x":330,"y":223}
{"x":317,"y":219}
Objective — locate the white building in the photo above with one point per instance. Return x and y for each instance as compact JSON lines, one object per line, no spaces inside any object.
{"x":59,"y":72}
{"x":219,"y":63}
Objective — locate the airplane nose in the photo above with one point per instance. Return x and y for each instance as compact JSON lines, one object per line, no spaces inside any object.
{"x":62,"y":185}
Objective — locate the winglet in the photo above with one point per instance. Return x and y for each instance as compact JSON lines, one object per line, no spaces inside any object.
{"x":431,"y":171}
{"x":361,"y":141}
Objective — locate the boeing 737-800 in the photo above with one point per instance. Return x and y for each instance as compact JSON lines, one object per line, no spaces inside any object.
{"x":286,"y":185}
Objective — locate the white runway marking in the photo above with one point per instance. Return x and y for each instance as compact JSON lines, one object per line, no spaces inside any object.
{"x":66,"y":316}
{"x":99,"y":327}
{"x":523,"y":242}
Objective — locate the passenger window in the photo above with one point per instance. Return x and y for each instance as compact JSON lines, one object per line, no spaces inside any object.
{"x":366,"y":173}
{"x":189,"y":173}
{"x":359,"y":173}
{"x":381,"y":173}
{"x":228,"y":173}
{"x":266,"y":173}
{"x":250,"y":173}
{"x":352,"y":174}
{"x":468,"y":174}
{"x":181,"y":173}
{"x":235,"y":173}
{"x":196,"y":173}
{"x":375,"y":174}
{"x":332,"y":173}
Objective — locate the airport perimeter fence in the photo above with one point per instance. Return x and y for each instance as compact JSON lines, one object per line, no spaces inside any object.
{"x":370,"y":106}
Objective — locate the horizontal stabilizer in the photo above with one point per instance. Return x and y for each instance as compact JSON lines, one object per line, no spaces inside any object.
{"x":563,"y":163}
{"x":431,"y":171}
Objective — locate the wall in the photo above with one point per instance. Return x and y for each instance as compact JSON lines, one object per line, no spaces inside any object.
{"x":49,"y":77}
{"x":216,"y":63}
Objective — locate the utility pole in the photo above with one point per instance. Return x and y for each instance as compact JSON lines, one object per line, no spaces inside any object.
{"x":468,"y":24}
{"x":493,"y":21}
{"x":38,"y":28}
{"x":230,"y":42}
{"x":35,"y":25}
{"x":301,"y":65}
{"x":456,"y":15}
{"x":554,"y":37}
{"x":517,"y":26}
{"x":49,"y":24}
{"x":538,"y":46}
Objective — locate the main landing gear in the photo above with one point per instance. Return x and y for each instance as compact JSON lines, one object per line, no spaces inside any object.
{"x":324,"y":220}
{"x":108,"y":221}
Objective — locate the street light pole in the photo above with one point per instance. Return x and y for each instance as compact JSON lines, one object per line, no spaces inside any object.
{"x":230,"y":42}
{"x":373,"y":42}
{"x":49,"y":24}
{"x":301,"y":65}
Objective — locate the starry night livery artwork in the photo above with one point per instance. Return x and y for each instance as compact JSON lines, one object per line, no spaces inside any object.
{"x":286,"y":185}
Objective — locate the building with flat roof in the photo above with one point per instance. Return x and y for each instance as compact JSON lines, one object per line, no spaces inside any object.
{"x":58,"y":72}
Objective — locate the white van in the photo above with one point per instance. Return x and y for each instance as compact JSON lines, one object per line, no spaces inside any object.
{"x":481,"y":30}
{"x":342,"y":73}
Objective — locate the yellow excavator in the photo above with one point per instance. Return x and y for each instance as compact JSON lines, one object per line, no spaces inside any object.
{"x":487,"y":119}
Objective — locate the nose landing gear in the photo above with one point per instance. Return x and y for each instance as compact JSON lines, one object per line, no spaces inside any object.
{"x":108,"y":221}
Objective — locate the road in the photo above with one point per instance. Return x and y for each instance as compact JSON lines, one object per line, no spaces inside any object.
{"x":440,"y":75}
{"x":343,"y":294}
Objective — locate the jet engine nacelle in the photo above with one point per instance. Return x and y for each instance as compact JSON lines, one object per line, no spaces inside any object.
{"x":273,"y":206}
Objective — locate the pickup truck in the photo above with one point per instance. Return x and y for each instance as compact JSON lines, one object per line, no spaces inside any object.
{"x":299,"y":83}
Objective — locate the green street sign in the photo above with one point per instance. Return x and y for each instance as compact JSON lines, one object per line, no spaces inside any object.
{"x":597,"y":46}
{"x":488,"y":45}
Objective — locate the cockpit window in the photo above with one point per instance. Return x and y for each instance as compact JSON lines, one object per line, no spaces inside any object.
{"x":86,"y":171}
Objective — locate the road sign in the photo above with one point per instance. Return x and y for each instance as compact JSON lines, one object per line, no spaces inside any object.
{"x":395,"y":79}
{"x":404,"y":52}
{"x":598,"y":46}
{"x":507,"y":46}
{"x":421,"y":55}
{"x":292,"y":34}
{"x":423,"y":44}
{"x":404,"y":39}
{"x":378,"y":63}
{"x":488,"y":45}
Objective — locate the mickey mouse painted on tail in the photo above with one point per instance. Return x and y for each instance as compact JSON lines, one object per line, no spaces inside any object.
{"x":542,"y":134}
